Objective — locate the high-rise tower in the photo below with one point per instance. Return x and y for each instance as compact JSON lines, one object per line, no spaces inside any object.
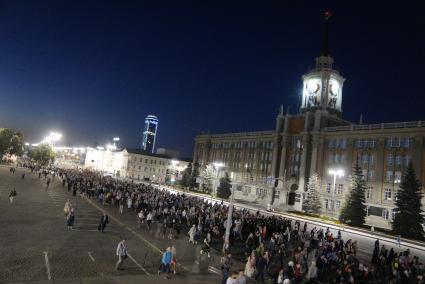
{"x":149,"y":133}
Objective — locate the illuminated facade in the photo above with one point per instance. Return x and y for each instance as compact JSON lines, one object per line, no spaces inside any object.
{"x":136,"y":164}
{"x":149,"y":133}
{"x":318,"y":140}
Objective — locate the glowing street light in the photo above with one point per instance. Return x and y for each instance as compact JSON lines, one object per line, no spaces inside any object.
{"x":52,"y":138}
{"x":111,"y":147}
{"x":336,"y":173}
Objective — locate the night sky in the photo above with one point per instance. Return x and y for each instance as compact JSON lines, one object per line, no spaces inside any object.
{"x":94,"y":69}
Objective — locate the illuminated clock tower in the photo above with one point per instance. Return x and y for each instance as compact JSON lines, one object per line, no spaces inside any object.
{"x":322,"y":86}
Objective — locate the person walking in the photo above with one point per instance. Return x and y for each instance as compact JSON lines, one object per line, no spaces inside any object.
{"x":70,"y":219}
{"x":121,"y":203}
{"x":191,"y":234}
{"x":103,"y":221}
{"x":12,"y":195}
{"x":67,"y":208}
{"x":121,"y":253}
{"x":167,"y":257}
{"x":225,"y":266}
{"x":149,"y":220}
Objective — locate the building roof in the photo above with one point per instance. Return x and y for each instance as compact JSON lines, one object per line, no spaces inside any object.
{"x":146,"y":153}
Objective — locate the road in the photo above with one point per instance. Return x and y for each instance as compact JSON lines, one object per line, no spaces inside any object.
{"x":36,"y":246}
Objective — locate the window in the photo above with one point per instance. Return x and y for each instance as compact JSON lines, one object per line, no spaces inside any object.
{"x":151,"y":161}
{"x":343,"y":143}
{"x":338,"y":158}
{"x":393,"y":212}
{"x":395,"y":194}
{"x":390,"y":159}
{"x":141,"y":160}
{"x":385,"y":214}
{"x":387,"y":194}
{"x":370,"y":175}
{"x":331,"y":144}
{"x":398,"y":160}
{"x":365,"y":159}
{"x":146,"y":169}
{"x":407,"y":160}
{"x":389,"y":176}
{"x":397,"y":177}
{"x":340,"y":188}
{"x":408,"y":142}
{"x":327,"y":204}
{"x":369,"y":192}
{"x":371,"y":160}
{"x":146,"y":161}
{"x":367,"y":210}
{"x":393,"y":142}
{"x":328,"y":188}
{"x":140,"y":167}
{"x":337,"y":204}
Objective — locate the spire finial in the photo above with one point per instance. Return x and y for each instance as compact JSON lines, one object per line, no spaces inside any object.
{"x":325,"y":46}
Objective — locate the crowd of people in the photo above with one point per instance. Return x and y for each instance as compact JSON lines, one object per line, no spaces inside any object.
{"x":277,"y":250}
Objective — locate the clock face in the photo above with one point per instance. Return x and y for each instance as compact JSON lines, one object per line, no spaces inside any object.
{"x":313,"y":87}
{"x":334,"y":87}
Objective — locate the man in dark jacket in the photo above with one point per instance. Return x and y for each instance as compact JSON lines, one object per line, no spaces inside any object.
{"x":103,"y":221}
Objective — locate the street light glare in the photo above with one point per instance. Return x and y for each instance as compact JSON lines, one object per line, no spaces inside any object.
{"x":218,"y":165}
{"x":337,"y":172}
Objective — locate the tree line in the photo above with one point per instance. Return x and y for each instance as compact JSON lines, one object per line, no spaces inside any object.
{"x":12,"y":144}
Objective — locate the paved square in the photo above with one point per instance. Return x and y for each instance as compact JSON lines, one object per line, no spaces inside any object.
{"x":36,"y":246}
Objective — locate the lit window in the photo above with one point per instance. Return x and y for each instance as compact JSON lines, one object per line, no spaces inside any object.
{"x":397,"y":177}
{"x":328,"y":188}
{"x":340,"y":188}
{"x":389,"y":176}
{"x":387,"y":194}
{"x":395,"y":194}
{"x":385,"y":214}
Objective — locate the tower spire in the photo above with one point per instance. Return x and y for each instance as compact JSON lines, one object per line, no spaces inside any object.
{"x":325,"y":46}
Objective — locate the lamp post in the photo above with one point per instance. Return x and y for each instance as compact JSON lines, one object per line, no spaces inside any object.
{"x":217,"y":166}
{"x":335,"y":173}
{"x":229,"y":217}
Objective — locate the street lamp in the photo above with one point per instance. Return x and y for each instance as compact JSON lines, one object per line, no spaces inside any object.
{"x":335,"y":173}
{"x":217,"y":165}
{"x":229,"y":217}
{"x":52,"y":138}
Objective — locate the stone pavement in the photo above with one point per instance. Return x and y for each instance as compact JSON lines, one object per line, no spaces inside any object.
{"x":36,"y":246}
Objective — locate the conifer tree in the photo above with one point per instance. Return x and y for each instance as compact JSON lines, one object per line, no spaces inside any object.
{"x":312,"y":203}
{"x":408,"y":218}
{"x":354,"y":210}
{"x":224,"y":189}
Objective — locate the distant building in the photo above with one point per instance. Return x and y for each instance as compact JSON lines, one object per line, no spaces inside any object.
{"x":149,"y":133}
{"x":168,"y":152}
{"x":136,"y":164}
